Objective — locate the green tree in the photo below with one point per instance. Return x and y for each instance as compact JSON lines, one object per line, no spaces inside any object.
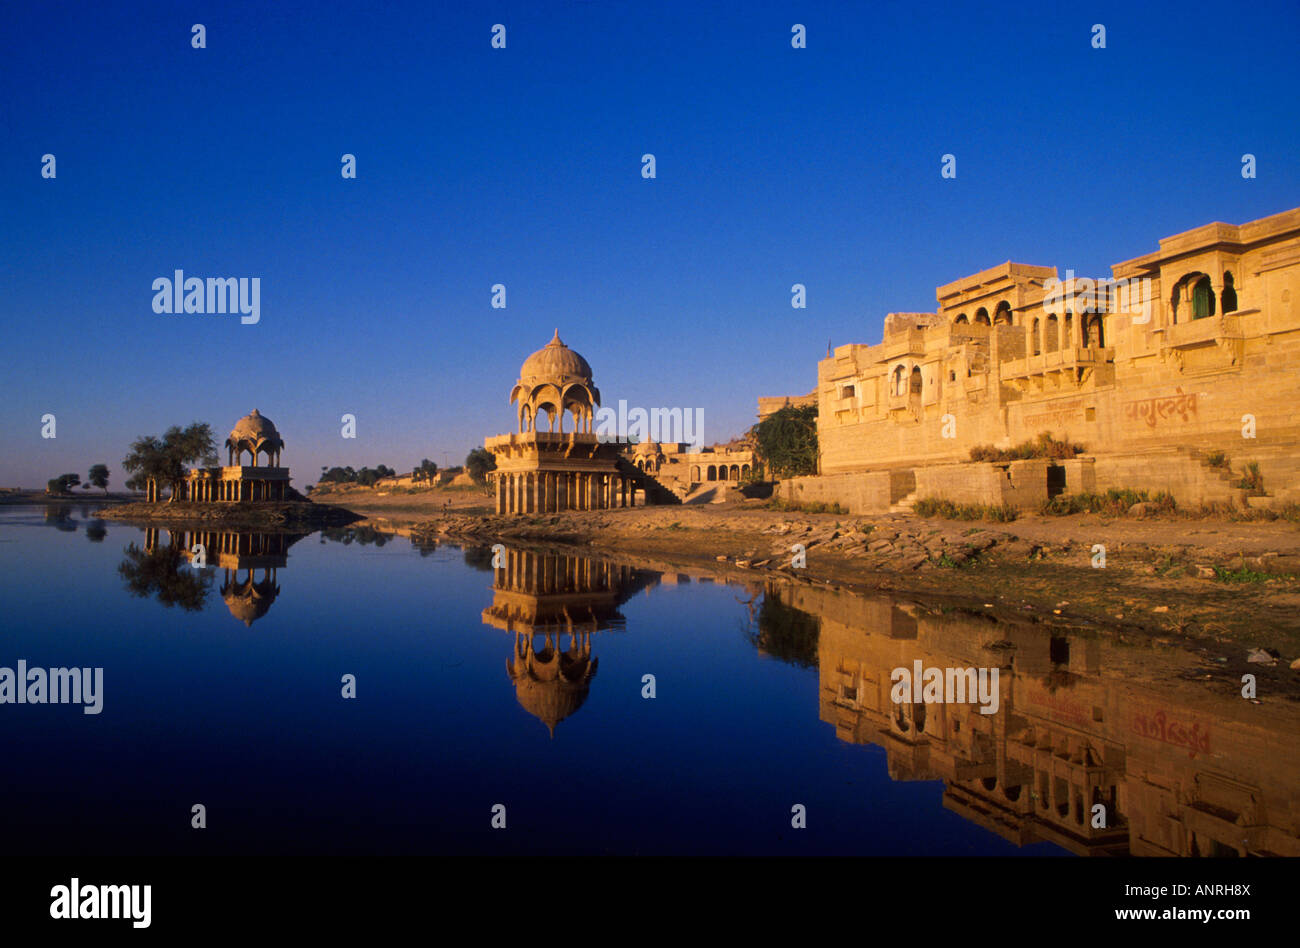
{"x":478,"y":462}
{"x":155,"y":461}
{"x":98,"y":477}
{"x":62,"y":484}
{"x":426,"y":470}
{"x":787,"y":441}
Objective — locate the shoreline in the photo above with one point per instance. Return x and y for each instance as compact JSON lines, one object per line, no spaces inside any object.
{"x":1230,"y":582}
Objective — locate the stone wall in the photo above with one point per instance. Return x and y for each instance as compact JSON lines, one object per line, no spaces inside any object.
{"x":857,"y":493}
{"x":1022,"y":484}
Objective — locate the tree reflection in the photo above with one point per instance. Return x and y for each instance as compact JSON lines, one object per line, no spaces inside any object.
{"x":784,"y":632}
{"x":164,"y":574}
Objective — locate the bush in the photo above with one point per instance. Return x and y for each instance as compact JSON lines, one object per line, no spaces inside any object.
{"x":947,"y":510}
{"x":793,"y":506}
{"x":1044,"y":447}
{"x":1251,"y":478}
{"x":1216,"y":459}
{"x":1115,"y":502}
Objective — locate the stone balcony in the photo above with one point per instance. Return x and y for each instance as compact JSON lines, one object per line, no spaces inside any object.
{"x":1200,"y":332}
{"x":1062,"y":360}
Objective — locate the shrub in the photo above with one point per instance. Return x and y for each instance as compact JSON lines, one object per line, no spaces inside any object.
{"x":1216,"y":459}
{"x":1115,"y":502}
{"x":794,"y":506}
{"x":1251,"y":478}
{"x":947,"y":510}
{"x":1243,"y":574}
{"x":1045,"y":446}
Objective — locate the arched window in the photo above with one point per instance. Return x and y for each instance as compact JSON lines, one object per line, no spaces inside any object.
{"x":735,"y":472}
{"x":1202,"y":299}
{"x":916,"y":380}
{"x":961,"y":320}
{"x":1229,"y":296}
{"x":899,"y":383}
{"x":1002,"y":315}
{"x":744,"y":470}
{"x":1037,"y":344}
{"x":695,"y":474}
{"x":1050,"y":341}
{"x":982,"y":316}
{"x":713,"y":473}
{"x":1068,"y":339}
{"x":1096,"y":336}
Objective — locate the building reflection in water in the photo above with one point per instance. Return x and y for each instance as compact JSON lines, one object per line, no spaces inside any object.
{"x":1181,"y":770}
{"x":249,"y":563}
{"x":541,"y":598}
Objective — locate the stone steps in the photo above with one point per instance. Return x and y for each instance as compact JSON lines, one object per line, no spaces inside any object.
{"x":905,"y":504}
{"x":655,"y":492}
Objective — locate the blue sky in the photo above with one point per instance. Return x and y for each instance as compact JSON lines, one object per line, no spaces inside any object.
{"x":522,"y":166}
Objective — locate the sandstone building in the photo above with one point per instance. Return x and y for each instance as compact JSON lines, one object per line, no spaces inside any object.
{"x":681,"y":470}
{"x":1185,"y":352}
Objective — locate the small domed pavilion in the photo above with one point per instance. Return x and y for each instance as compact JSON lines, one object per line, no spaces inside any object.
{"x":545,"y":468}
{"x":237,"y":482}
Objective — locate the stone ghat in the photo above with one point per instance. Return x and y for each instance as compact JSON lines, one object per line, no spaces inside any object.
{"x":257,"y":516}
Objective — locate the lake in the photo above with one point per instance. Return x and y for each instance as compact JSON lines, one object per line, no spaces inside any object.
{"x":519,"y":694}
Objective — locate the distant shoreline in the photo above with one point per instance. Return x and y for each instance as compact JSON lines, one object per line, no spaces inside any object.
{"x":21,"y":496}
{"x":252,"y":516}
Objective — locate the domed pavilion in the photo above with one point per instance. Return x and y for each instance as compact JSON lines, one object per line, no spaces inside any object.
{"x":555,"y":461}
{"x":237,"y":482}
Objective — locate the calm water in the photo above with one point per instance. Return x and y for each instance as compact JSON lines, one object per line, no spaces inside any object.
{"x":227,"y":692}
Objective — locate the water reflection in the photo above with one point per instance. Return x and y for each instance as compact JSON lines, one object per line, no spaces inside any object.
{"x":59,"y":516}
{"x":1098,"y":746}
{"x":249,"y":562}
{"x":1082,"y":720}
{"x":541,"y":596}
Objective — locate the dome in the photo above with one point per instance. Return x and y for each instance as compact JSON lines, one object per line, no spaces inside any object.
{"x":556,"y":362}
{"x":555,"y":381}
{"x":255,"y":434}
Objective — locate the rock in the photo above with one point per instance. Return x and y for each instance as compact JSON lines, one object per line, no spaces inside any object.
{"x":743,"y":564}
{"x":721,"y":559}
{"x":1205,"y":572}
{"x":913,"y":561}
{"x":1141,"y":509}
{"x":877,"y":546}
{"x":1295,"y":666}
{"x":1160,"y":609}
{"x":1260,"y":657}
